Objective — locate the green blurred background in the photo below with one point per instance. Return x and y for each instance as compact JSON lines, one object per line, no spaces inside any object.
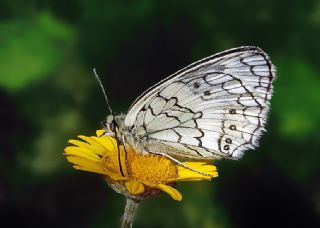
{"x":48,"y":94}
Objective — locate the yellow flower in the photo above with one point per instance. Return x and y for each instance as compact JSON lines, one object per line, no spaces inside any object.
{"x":140,"y":175}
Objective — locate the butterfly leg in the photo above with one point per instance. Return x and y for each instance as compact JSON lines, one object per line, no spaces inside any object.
{"x":184,"y":165}
{"x":126,"y":156}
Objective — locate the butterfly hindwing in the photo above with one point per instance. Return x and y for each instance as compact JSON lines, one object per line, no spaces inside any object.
{"x":216,"y":107}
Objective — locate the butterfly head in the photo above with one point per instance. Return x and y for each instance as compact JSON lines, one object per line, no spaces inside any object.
{"x":110,"y":125}
{"x":113,"y":125}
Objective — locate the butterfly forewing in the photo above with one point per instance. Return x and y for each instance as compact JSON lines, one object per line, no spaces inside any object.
{"x":216,"y":107}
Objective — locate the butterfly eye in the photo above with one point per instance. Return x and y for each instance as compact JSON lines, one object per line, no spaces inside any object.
{"x":132,"y":127}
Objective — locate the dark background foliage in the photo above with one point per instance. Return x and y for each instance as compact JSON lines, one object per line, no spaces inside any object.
{"x":48,"y":94}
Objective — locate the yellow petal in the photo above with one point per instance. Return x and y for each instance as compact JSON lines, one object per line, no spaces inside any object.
{"x":116,"y":176}
{"x":185,"y":174}
{"x":174,"y":193}
{"x":100,"y":132}
{"x":134,"y":187}
{"x":87,"y":164}
{"x":201,"y":166}
{"x":81,"y":152}
{"x":80,"y":144}
{"x":95,"y":145}
{"x":108,"y":143}
{"x":91,"y":169}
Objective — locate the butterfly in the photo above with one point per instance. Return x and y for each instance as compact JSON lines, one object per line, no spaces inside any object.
{"x":214,"y":108}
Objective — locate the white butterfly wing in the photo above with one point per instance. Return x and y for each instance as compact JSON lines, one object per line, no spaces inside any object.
{"x":216,"y":107}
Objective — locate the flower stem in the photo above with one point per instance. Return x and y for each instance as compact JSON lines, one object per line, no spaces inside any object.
{"x":129,"y":213}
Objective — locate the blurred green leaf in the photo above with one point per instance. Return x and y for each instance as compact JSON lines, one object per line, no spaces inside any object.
{"x":296,"y":101}
{"x":201,"y":207}
{"x":31,"y":49}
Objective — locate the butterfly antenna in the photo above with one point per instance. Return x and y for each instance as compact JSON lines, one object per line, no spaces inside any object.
{"x":104,"y":92}
{"x":111,"y":112}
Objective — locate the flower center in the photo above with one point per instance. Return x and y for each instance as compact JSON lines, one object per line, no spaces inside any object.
{"x":151,"y":168}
